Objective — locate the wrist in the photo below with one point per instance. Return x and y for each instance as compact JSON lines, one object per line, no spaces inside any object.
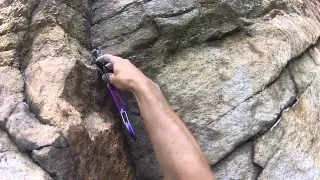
{"x":144,"y":85}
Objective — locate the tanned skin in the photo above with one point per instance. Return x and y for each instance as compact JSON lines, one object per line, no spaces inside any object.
{"x":177,"y":151}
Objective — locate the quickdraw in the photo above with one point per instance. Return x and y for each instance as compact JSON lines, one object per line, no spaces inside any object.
{"x":115,"y":93}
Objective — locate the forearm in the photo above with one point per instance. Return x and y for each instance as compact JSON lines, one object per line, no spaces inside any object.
{"x":179,"y":154}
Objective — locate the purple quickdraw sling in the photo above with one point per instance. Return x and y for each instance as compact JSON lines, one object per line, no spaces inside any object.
{"x":116,"y":95}
{"x":122,"y":108}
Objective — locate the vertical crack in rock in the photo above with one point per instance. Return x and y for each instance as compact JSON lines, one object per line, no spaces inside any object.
{"x":239,"y":162}
{"x":295,"y":131}
{"x":303,"y":60}
{"x":255,"y":135}
{"x":63,"y":90}
{"x":12,"y":87}
{"x":230,"y":91}
{"x":285,"y":68}
{"x":34,"y":131}
{"x":268,"y":154}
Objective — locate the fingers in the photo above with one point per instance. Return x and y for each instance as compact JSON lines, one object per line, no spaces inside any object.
{"x":109,"y":67}
{"x":111,"y":76}
{"x":108,"y":58}
{"x":105,"y":78}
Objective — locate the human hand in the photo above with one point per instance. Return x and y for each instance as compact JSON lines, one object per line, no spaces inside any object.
{"x":125,"y":75}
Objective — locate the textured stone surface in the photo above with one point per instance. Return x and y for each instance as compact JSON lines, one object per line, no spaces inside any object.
{"x":125,"y":23}
{"x":227,"y":91}
{"x":57,"y":70}
{"x":46,"y":42}
{"x":148,"y":162}
{"x":29,"y":133}
{"x":108,"y":142}
{"x":106,"y":9}
{"x":304,"y":69}
{"x":57,"y":12}
{"x":248,"y":119}
{"x":56,"y":161}
{"x":290,"y":150}
{"x":11,"y":80}
{"x":62,"y":88}
{"x":5,"y":143}
{"x":232,"y":84}
{"x":167,"y":7}
{"x":17,"y":166}
{"x":238,"y":165}
{"x":232,"y":69}
{"x":14,"y":165}
{"x":8,"y":58}
{"x":14,"y":15}
{"x":11,"y":87}
{"x":11,"y":41}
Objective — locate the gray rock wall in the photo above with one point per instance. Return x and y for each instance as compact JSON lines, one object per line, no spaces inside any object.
{"x":243,"y":75}
{"x":228,"y":68}
{"x":52,"y":104}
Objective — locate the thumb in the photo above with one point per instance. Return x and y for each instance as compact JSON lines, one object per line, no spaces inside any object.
{"x":111,"y":76}
{"x":113,"y":79}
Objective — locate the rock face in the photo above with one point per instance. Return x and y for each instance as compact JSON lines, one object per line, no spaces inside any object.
{"x":290,"y":150}
{"x":15,"y":165}
{"x":228,"y":68}
{"x":238,"y":165}
{"x":243,"y":75}
{"x":51,"y":95}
